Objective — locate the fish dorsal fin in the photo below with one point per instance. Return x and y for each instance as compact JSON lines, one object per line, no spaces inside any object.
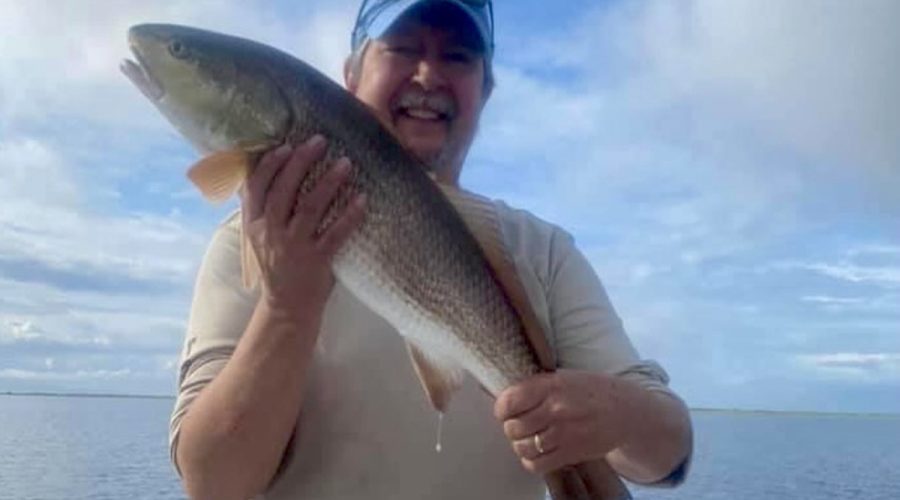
{"x":439,"y":381}
{"x":250,"y":270}
{"x":480,"y":216}
{"x":219,"y":175}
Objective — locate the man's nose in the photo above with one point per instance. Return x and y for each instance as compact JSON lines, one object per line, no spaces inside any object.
{"x":429,"y":74}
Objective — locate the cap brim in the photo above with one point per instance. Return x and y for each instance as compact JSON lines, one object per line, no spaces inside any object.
{"x":387,"y":17}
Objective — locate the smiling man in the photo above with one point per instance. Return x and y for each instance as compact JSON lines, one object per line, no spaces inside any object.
{"x":305,"y":393}
{"x":427,"y":78}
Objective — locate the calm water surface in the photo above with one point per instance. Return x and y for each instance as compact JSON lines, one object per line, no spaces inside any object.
{"x":111,"y":448}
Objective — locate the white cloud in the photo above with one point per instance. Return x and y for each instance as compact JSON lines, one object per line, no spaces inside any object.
{"x":878,"y":304}
{"x":676,"y":115}
{"x":883,"y":250}
{"x":745,"y":106}
{"x":817,"y":79}
{"x":47,"y":222}
{"x":824,"y":299}
{"x":61,"y":319}
{"x":854,"y":365}
{"x":61,"y":59}
{"x":15,"y":373}
{"x":19,"y":330}
{"x":885,"y":276}
{"x":24,"y":331}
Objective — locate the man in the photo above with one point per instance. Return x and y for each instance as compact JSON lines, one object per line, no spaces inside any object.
{"x":298,"y":391}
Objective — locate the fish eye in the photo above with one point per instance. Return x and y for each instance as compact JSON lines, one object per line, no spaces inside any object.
{"x":177,"y":49}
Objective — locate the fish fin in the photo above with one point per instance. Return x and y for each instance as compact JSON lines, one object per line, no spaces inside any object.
{"x":220,"y":174}
{"x":250,"y":270}
{"x":480,"y":216}
{"x":439,"y":382}
{"x":594,"y":480}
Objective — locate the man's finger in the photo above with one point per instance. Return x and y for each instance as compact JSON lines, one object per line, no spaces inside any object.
{"x":523,"y":397}
{"x":527,"y":424}
{"x":253,"y":193}
{"x":310,"y":208}
{"x":547,"y":462}
{"x":533,"y":447}
{"x":283,"y":195}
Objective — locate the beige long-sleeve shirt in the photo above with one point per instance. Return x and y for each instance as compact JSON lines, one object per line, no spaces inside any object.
{"x":366,"y":430}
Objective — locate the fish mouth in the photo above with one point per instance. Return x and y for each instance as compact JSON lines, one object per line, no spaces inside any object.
{"x":141,"y":77}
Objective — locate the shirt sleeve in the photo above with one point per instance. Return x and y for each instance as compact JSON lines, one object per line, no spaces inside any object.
{"x":589,"y":335}
{"x":571,"y":302}
{"x":220,"y":310}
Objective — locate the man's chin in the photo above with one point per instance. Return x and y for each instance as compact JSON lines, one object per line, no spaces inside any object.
{"x":425,"y":152}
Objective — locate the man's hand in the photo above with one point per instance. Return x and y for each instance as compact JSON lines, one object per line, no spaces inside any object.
{"x":281,"y":224}
{"x":578,"y":416}
{"x":581,"y":416}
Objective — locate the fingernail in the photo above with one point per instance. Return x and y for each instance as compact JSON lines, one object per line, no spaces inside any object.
{"x":342,"y":166}
{"x":283,"y":150}
{"x":316,"y":141}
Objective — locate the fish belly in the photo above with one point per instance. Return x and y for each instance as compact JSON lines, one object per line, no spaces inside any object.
{"x":360,"y":272}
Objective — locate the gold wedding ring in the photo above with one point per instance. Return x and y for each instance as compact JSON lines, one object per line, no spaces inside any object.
{"x":538,"y":444}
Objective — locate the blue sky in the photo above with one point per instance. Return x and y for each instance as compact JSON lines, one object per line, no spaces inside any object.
{"x":731,"y":169}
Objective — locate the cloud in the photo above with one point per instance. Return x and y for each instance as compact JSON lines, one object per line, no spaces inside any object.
{"x":737,"y":109}
{"x":886,"y":304}
{"x":874,"y":250}
{"x":683,"y":144}
{"x":826,"y":300}
{"x":660,"y":127}
{"x":854,"y":365}
{"x":100,"y":234}
{"x":25,"y":331}
{"x":814,"y":80}
{"x":72,"y":52}
{"x":13,"y":373}
{"x":884,"y":276}
{"x":50,"y":234}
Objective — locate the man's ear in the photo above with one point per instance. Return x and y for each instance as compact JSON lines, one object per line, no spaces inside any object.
{"x":350,"y":79}
{"x":486,"y":94}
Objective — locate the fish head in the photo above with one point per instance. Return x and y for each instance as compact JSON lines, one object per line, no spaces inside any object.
{"x":209,"y":86}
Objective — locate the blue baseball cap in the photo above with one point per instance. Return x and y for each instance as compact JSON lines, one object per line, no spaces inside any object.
{"x":375,"y":17}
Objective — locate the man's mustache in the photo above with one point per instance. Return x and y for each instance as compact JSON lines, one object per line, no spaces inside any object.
{"x":439,"y":102}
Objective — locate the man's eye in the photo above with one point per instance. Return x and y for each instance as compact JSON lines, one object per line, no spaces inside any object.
{"x":402,"y":50}
{"x":459,"y":57}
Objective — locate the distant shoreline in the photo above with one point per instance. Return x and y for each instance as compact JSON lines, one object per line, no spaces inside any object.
{"x":798,"y":413}
{"x":693,"y":410}
{"x":85,"y":395}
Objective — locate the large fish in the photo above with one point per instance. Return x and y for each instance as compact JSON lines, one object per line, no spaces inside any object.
{"x":429,"y":260}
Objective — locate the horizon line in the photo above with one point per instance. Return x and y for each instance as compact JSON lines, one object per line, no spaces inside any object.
{"x":693,"y":409}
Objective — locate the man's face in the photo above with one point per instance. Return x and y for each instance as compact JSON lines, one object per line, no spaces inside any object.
{"x":425,"y":84}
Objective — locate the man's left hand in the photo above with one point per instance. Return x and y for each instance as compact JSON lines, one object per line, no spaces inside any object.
{"x":566,"y":417}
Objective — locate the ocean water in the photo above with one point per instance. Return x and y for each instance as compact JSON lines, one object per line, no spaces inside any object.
{"x":115,"y":448}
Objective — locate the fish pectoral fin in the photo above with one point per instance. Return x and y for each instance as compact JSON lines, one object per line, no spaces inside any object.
{"x":439,"y":380}
{"x":250,"y":270}
{"x":219,"y":175}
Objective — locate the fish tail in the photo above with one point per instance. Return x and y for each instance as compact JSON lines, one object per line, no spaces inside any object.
{"x":587,"y":481}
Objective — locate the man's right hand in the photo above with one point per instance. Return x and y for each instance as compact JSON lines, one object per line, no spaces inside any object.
{"x":281,"y":223}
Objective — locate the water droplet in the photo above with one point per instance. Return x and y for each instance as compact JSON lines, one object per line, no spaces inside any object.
{"x":440,"y":431}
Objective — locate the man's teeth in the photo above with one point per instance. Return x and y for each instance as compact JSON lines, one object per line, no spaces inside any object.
{"x":423,"y":114}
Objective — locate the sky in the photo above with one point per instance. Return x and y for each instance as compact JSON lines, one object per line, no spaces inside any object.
{"x":731,"y":170}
